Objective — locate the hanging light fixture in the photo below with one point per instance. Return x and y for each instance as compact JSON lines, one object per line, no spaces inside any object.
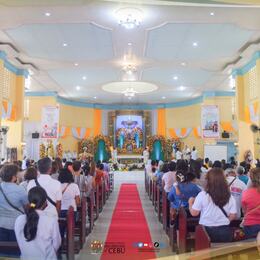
{"x":129,"y":18}
{"x":129,"y":92}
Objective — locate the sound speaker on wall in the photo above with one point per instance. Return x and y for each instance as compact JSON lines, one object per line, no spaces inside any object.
{"x":35,"y":135}
{"x":225,"y":134}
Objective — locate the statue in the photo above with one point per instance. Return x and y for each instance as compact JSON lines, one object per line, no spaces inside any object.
{"x":146,"y":155}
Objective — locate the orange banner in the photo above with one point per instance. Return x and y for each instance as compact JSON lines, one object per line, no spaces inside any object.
{"x":97,"y":121}
{"x":161,"y":122}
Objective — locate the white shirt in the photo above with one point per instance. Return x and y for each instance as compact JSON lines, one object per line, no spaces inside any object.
{"x":169,"y":178}
{"x":53,"y":189}
{"x":236,"y":189}
{"x":194,"y":155}
{"x":210,"y":214}
{"x":178,"y":155}
{"x":68,"y":196}
{"x":46,"y":242}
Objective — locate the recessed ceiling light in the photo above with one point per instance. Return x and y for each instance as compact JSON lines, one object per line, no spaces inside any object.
{"x":163,"y":97}
{"x":77,"y":87}
{"x":183,"y":64}
{"x":95,"y":97}
{"x":129,"y":44}
{"x":212,"y":13}
{"x":84,"y":77}
{"x":76,"y":64}
{"x":181,"y":88}
{"x":65,"y":44}
{"x":195,"y":44}
{"x":47,"y":14}
{"x":175,"y":77}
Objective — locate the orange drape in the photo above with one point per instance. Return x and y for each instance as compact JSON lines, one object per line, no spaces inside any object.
{"x":183,"y":131}
{"x":196,"y":132}
{"x":247,"y":115}
{"x":227,"y":126}
{"x":97,"y":121}
{"x":172,"y":133}
{"x":88,"y":131}
{"x":161,"y":123}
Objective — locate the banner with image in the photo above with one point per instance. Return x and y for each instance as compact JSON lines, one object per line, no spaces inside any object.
{"x":50,"y":122}
{"x":210,"y":121}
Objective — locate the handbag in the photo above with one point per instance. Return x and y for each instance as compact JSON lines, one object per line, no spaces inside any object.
{"x":9,"y":202}
{"x":48,"y":198}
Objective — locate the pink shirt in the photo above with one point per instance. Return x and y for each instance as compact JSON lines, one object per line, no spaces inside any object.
{"x":251,"y":200}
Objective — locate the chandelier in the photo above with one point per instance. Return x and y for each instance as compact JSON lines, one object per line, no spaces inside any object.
{"x":129,"y":17}
{"x":129,"y":92}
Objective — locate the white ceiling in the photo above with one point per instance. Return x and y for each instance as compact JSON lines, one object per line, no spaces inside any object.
{"x":99,"y":46}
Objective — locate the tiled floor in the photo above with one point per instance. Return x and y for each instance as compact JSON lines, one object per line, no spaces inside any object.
{"x":102,"y":224}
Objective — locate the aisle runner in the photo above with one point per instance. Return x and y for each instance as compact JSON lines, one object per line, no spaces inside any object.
{"x":128,"y":227}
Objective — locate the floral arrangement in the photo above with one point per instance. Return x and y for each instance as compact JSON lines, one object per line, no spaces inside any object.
{"x":86,"y":146}
{"x":59,"y":150}
{"x":50,"y":149}
{"x":42,"y":151}
{"x":107,"y":143}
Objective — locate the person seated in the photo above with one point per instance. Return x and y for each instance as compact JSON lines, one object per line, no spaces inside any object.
{"x":241,"y":174}
{"x":169,"y":178}
{"x":13,"y":199}
{"x":237,"y":187}
{"x":89,"y":180}
{"x":51,"y":186}
{"x":55,"y":170}
{"x":159,"y":175}
{"x":217,"y":164}
{"x":100,"y":175}
{"x":251,"y":205}
{"x":216,"y":207}
{"x":70,"y":194}
{"x":184,"y":188}
{"x":200,"y":176}
{"x":79,"y":177}
{"x":30,"y":174}
{"x":37,"y":232}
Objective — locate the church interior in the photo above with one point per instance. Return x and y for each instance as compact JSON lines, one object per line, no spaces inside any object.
{"x":137,"y":121}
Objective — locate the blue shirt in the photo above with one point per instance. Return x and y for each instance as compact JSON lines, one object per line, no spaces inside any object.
{"x":243,"y":178}
{"x":18,"y":197}
{"x":187,"y":190}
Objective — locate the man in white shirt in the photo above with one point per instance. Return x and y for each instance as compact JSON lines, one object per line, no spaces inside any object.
{"x":194,"y":154}
{"x":169,"y":177}
{"x":178,"y":154}
{"x":236,"y":188}
{"x":51,"y":186}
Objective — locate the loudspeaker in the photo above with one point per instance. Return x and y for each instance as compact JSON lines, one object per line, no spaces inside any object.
{"x":225,"y":135}
{"x":35,"y":135}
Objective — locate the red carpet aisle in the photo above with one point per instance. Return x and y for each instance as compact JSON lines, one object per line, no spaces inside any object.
{"x":128,"y":226}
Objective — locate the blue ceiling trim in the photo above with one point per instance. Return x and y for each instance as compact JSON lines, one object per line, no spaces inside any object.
{"x":41,"y":94}
{"x":190,"y":102}
{"x":251,"y":64}
{"x":11,"y":67}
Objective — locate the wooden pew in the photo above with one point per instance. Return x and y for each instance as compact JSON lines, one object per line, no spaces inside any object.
{"x":103,"y":193}
{"x":9,"y":249}
{"x":159,"y":202}
{"x":187,"y":227}
{"x":90,"y":207}
{"x":80,"y":226}
{"x":203,"y":246}
{"x":146,"y":181}
{"x":68,"y":245}
{"x":96,"y":202}
{"x":165,"y":212}
{"x":154,"y":194}
{"x":150,"y":189}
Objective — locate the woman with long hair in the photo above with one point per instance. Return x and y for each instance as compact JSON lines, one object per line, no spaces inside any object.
{"x":37,"y":233}
{"x":216,"y":207}
{"x":251,"y":205}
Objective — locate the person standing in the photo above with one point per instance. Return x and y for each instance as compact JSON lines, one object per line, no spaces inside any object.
{"x":51,"y":186}
{"x":37,"y":232}
{"x":194,"y":154}
{"x":178,"y":154}
{"x":13,"y":199}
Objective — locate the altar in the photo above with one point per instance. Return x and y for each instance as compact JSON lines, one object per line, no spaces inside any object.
{"x":130,"y":158}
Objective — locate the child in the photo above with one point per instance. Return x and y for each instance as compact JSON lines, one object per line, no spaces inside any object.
{"x":37,"y":233}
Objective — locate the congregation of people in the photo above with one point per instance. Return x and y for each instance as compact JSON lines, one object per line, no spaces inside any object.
{"x":32,"y":200}
{"x":217,"y":192}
